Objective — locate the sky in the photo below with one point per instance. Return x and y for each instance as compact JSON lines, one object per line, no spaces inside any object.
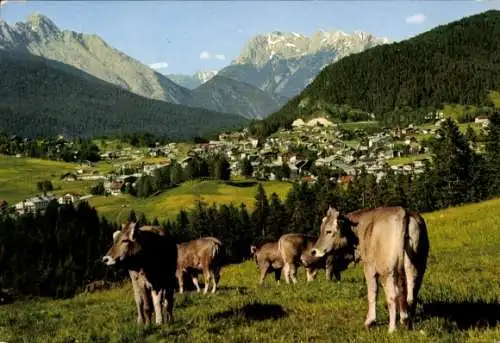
{"x":182,"y":37}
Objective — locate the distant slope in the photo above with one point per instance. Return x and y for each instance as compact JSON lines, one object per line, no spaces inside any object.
{"x":286,"y":62}
{"x":90,"y":53}
{"x":192,"y":81}
{"x":43,"y":97}
{"x":226,"y":95}
{"x":455,"y":63}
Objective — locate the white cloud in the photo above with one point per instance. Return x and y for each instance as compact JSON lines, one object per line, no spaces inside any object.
{"x":158,"y":65}
{"x":205,"y":55}
{"x":4,"y":2}
{"x":415,"y":19}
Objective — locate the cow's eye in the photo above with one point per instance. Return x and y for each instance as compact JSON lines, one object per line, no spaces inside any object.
{"x":329,"y":232}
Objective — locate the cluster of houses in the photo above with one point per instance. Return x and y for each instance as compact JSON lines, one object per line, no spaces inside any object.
{"x":38,"y":204}
{"x":323,"y":139}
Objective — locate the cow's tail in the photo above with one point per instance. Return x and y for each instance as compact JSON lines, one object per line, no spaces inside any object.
{"x":416,"y":248}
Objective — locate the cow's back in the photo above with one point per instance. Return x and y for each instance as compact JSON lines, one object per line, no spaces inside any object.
{"x":270,"y":253}
{"x":199,"y":253}
{"x":292,"y":245}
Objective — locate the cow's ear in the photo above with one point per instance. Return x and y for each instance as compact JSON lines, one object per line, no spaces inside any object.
{"x":253,"y":249}
{"x":333,"y":212}
{"x":323,"y":220}
{"x":115,"y":234}
{"x":133,"y":232}
{"x":124,"y":225}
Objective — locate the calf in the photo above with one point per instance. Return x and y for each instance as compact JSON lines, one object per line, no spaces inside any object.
{"x":203,"y":254}
{"x":268,"y":259}
{"x":393,"y":246}
{"x":150,"y":257}
{"x":292,"y":246}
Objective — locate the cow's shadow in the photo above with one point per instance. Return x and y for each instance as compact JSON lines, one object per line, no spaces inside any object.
{"x":252,"y":312}
{"x":466,"y":315}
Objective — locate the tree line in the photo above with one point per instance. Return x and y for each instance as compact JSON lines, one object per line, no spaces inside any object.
{"x":58,"y":252}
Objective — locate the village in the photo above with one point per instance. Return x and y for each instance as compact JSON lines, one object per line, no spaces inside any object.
{"x":317,"y":142}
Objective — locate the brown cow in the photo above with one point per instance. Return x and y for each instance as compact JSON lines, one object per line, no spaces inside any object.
{"x":293,"y":247}
{"x":150,"y":257}
{"x":203,"y":254}
{"x":393,"y":245}
{"x":268,"y":258}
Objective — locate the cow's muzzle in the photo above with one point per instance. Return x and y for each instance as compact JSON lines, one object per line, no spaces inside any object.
{"x":318,"y":253}
{"x":108,"y":260}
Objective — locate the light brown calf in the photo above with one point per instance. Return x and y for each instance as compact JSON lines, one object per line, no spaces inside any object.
{"x":268,"y":259}
{"x":199,"y":255}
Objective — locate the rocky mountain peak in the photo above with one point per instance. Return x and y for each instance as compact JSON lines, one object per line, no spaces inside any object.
{"x":41,"y":24}
{"x":286,"y":45}
{"x":204,"y":75}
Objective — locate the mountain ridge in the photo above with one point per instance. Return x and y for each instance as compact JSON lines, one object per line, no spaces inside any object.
{"x":45,"y":97}
{"x":456,"y":63}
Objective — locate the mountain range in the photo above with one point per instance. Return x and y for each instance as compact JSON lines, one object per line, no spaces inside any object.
{"x":43,"y":97}
{"x":285,"y":63}
{"x":271,"y":68}
{"x":192,"y":81}
{"x":457,"y":63}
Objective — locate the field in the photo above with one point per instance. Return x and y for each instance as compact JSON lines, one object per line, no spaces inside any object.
{"x":18,"y":176}
{"x":459,"y":301}
{"x":169,"y":203}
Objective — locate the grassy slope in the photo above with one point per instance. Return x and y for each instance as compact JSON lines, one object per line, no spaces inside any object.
{"x":460,"y":294}
{"x":169,"y":203}
{"x":18,"y":178}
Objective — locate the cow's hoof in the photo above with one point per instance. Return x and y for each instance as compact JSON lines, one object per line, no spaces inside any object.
{"x":391,"y":330}
{"x":369,"y":324}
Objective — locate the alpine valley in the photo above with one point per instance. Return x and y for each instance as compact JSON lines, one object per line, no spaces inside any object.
{"x":271,"y":69}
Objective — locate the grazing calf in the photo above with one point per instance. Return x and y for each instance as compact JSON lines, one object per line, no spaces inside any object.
{"x":203,"y":254}
{"x":393,"y":246}
{"x":150,"y":257}
{"x":268,"y":259}
{"x":292,"y":247}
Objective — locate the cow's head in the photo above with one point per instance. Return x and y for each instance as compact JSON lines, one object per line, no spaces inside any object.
{"x":332,"y":234}
{"x":253,"y":252}
{"x":126,"y":245}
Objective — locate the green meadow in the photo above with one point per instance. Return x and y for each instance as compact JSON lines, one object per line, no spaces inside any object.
{"x":459,"y":301}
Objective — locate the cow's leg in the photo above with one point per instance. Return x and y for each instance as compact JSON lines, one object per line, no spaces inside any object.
{"x":214,"y":282}
{"x":413,"y":282}
{"x":179,"y":275}
{"x":402,"y":305}
{"x":158,"y":296}
{"x":311,"y":274}
{"x":277,"y":275}
{"x":206,"y":275}
{"x":263,"y":273}
{"x":293,"y":272}
{"x":328,"y":271}
{"x":147,"y":307}
{"x":169,"y":303}
{"x":194,"y":277}
{"x":391,"y":295}
{"x":336,"y":273}
{"x":371,"y":285}
{"x":286,"y":271}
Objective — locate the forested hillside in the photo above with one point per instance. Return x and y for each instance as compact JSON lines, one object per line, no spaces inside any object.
{"x":43,"y":97}
{"x":457,"y":63}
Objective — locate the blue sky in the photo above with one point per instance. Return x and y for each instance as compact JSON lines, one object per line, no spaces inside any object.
{"x":203,"y":35}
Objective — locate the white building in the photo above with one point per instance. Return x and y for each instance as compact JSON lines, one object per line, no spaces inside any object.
{"x":35,"y":204}
{"x":69,"y":198}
